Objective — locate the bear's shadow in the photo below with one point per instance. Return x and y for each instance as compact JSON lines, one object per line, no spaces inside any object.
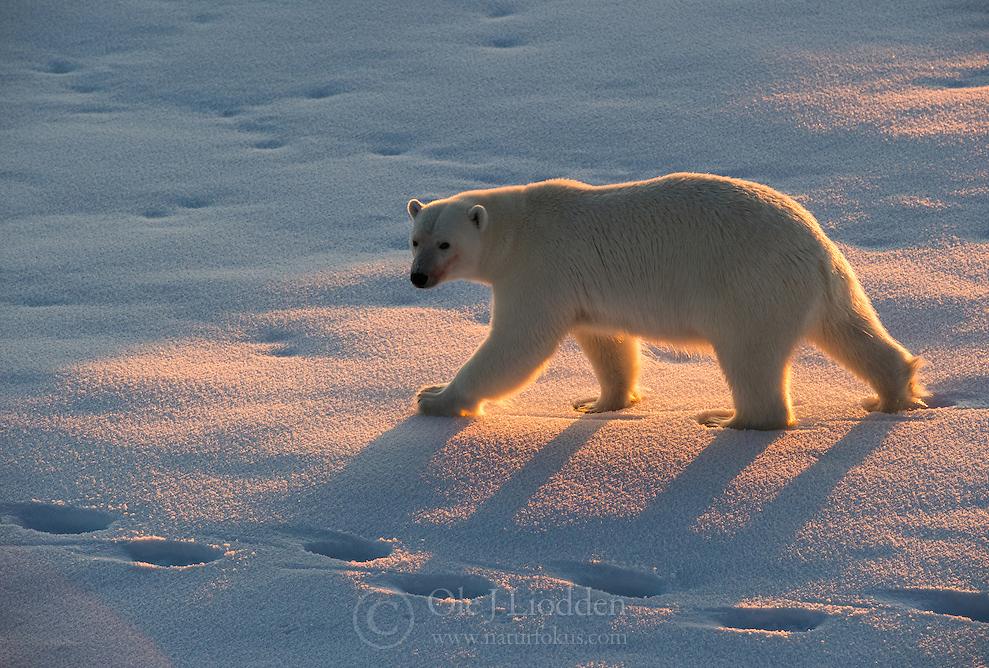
{"x":766,"y":539}
{"x":384,"y":489}
{"x":386,"y":485}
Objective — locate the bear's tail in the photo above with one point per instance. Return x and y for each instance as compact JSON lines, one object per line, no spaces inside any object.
{"x":849,"y":330}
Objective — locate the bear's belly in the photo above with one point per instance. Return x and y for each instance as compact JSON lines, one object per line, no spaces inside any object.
{"x":665,"y":323}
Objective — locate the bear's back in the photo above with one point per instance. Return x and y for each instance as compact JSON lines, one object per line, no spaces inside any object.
{"x":673,"y":244}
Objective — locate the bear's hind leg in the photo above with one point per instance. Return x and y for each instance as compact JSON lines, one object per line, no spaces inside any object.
{"x":758,"y":376}
{"x":861,"y":344}
{"x":615,"y":360}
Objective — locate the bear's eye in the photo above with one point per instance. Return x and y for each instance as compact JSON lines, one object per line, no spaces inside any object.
{"x":444,"y":246}
{"x":415,"y":244}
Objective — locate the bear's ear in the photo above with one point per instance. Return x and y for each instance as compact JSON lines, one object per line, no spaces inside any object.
{"x":415,"y":206}
{"x":478,"y":215}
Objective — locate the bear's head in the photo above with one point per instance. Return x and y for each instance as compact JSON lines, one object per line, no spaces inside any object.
{"x":446,"y":240}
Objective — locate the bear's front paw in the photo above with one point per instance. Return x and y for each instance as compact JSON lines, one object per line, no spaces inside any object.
{"x":439,"y":401}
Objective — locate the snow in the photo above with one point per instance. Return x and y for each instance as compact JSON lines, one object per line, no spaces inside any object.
{"x":211,"y":347}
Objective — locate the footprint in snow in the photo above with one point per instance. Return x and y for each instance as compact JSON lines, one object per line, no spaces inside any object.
{"x":276,"y":343}
{"x":164,"y":552}
{"x":283,"y":351}
{"x":325,"y":91}
{"x":61,"y":66}
{"x":612,"y":579}
{"x":788,"y":620}
{"x":272,"y":335}
{"x":205,"y":18}
{"x":193,"y":202}
{"x":346,"y":547}
{"x":390,"y":144}
{"x":977,"y":77}
{"x":164,"y":208}
{"x":57,"y":519}
{"x":155,"y":212}
{"x":269,"y":144}
{"x":969,"y":604}
{"x":499,"y":10}
{"x":504,"y":43}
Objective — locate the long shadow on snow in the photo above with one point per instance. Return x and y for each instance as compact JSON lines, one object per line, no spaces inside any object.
{"x":667,"y":528}
{"x":380,"y":491}
{"x":495,"y":515}
{"x":380,"y":488}
{"x":665,"y":535}
{"x":385,"y":485}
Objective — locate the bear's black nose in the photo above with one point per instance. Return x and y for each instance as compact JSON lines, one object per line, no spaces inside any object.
{"x":419,"y":280}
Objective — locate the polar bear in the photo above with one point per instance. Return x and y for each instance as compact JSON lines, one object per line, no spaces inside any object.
{"x":686,"y":259}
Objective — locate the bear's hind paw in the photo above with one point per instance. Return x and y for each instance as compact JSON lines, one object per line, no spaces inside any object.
{"x":730,"y":420}
{"x":716,"y":418}
{"x":601,"y":405}
{"x":588,"y":406}
{"x":875,"y":404}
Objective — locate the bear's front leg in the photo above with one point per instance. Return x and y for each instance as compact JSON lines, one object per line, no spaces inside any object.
{"x":514,"y":352}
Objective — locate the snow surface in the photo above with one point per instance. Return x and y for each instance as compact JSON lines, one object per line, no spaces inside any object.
{"x":210,"y":346}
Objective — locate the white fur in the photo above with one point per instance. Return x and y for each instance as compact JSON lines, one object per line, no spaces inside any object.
{"x":687,"y":259}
